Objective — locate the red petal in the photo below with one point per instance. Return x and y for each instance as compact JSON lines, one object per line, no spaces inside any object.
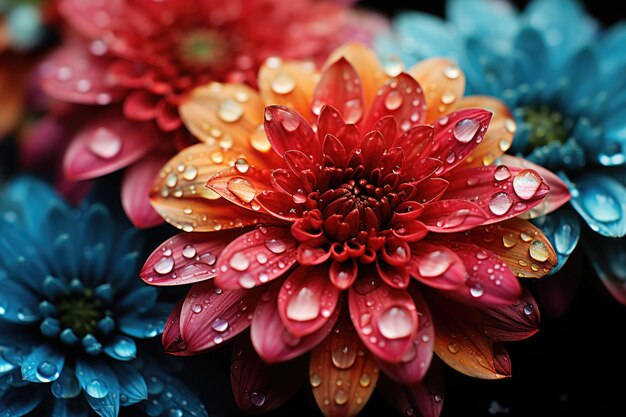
{"x":343,"y":274}
{"x":306,"y":300}
{"x":415,"y":142}
{"x":167,"y":117}
{"x":445,"y":216}
{"x":329,"y":122}
{"x":340,"y":87}
{"x":384,"y":317}
{"x":436,"y":266}
{"x":489,"y":281}
{"x":517,"y":321}
{"x":271,"y":339}
{"x":394,"y":276}
{"x":456,"y":134}
{"x":140,"y":105}
{"x":388,"y":128}
{"x":172,"y":339}
{"x":415,"y":363}
{"x":424,"y":399}
{"x":419,"y":170}
{"x":241,"y":188}
{"x":185,"y":258}
{"x":559,"y":191}
{"x":280,"y":206}
{"x":502,"y":192}
{"x":211,"y":315}
{"x":107,"y":143}
{"x":430,"y":189}
{"x":400,"y":97}
{"x":136,"y":186}
{"x":72,"y":74}
{"x":287,"y":130}
{"x":256,"y":257}
{"x":259,"y":387}
{"x":410,"y":231}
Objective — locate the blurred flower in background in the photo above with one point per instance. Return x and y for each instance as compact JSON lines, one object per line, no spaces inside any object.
{"x":136,"y":60}
{"x":355,"y":186}
{"x":73,"y":316}
{"x":564,"y":78}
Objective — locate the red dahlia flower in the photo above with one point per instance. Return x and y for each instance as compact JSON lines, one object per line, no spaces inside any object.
{"x":380,"y":237}
{"x":140,"y":58}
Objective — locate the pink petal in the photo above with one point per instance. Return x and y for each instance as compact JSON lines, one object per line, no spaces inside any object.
{"x":445,"y":216}
{"x":340,"y":87}
{"x":415,"y":363}
{"x":287,"y":130}
{"x":424,"y":399}
{"x":502,"y":192}
{"x":167,"y":117}
{"x":559,"y":191}
{"x":136,"y":185}
{"x":384,"y":317}
{"x":140,"y":105}
{"x":72,"y":74}
{"x":107,"y":143}
{"x":489,"y":281}
{"x":517,"y":321}
{"x":343,"y":274}
{"x":436,"y":266}
{"x":271,"y":339}
{"x":210,"y":315}
{"x":457,"y":134}
{"x":400,"y":97}
{"x":186,"y":258}
{"x":306,"y":300}
{"x":172,"y":339}
{"x":259,"y":387}
{"x":256,"y":257}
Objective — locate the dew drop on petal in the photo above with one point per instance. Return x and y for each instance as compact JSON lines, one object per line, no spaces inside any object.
{"x":196,"y":308}
{"x":526,"y":184}
{"x":528,"y":309}
{"x":164,"y":265}
{"x":502,"y":173}
{"x":47,"y":371}
{"x":219,"y":325}
{"x":601,"y":206}
{"x":393,"y":100}
{"x":315,"y":380}
{"x":189,"y":251}
{"x":230,"y":111}
{"x":453,"y":348}
{"x":283,"y":83}
{"x":465,"y":130}
{"x":395,"y":323}
{"x":508,"y":240}
{"x":365,"y":380}
{"x":434,"y":264}
{"x":303,"y":306}
{"x":257,"y":399}
{"x":242,"y":188}
{"x":105,"y":144}
{"x":239,"y":262}
{"x":341,"y":397}
{"x":247,"y":281}
{"x":275,"y":245}
{"x":190,"y":173}
{"x":242,"y":165}
{"x":477,"y":290}
{"x":97,"y":388}
{"x":538,"y":251}
{"x":343,"y":357}
{"x":500,"y":203}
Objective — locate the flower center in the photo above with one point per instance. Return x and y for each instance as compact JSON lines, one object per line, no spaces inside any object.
{"x":80,"y":312}
{"x":201,"y":48}
{"x":546,"y":125}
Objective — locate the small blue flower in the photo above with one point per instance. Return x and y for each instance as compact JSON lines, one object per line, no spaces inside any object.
{"x":73,"y":313}
{"x":564,"y":78}
{"x":24,"y":22}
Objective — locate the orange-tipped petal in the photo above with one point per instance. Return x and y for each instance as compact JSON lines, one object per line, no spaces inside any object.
{"x":367,"y":66}
{"x":443,"y":83}
{"x":290,"y":84}
{"x":460,"y":340}
{"x":340,"y":87}
{"x":499,"y":134}
{"x":517,"y":242}
{"x":342,"y":373}
{"x":241,"y":188}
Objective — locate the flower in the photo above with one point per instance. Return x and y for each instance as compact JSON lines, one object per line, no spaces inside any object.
{"x":22,"y":24}
{"x":71,"y":315}
{"x":138,"y":59}
{"x":320,"y":208}
{"x":564,"y":79}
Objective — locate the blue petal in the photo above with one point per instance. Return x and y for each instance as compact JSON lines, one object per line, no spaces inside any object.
{"x":413,"y":28}
{"x":69,"y":337}
{"x":101,"y":387}
{"x":17,"y":304}
{"x":582,"y":73}
{"x":562,"y":228}
{"x":67,"y":386}
{"x":104,"y":292}
{"x":492,"y":20}
{"x":148,"y":324}
{"x":18,"y":402}
{"x":16,"y":335}
{"x":125,"y":268}
{"x":531,"y":57}
{"x":30,"y":273}
{"x":121,"y":348}
{"x":54,"y":288}
{"x":64,"y":251}
{"x":612,"y":47}
{"x":138,"y":301}
{"x":44,"y":364}
{"x":16,"y":245}
{"x":91,"y":344}
{"x":106,"y":325}
{"x":608,"y":257}
{"x":601,"y":201}
{"x":50,"y":327}
{"x":133,"y":387}
{"x":69,"y":408}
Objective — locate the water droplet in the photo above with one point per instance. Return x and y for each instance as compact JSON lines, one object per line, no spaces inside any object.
{"x":105,"y":144}
{"x":448,"y":98}
{"x":510,"y":125}
{"x":171,"y":180}
{"x":304,"y":306}
{"x":242,"y":188}
{"x":465,"y":130}
{"x":239,"y":262}
{"x":477,"y":290}
{"x":230,"y":111}
{"x":504,"y":145}
{"x":261,"y":258}
{"x":242,"y":165}
{"x":316,"y":380}
{"x":453,"y":348}
{"x":83,"y":86}
{"x":341,"y":397}
{"x":502,"y":173}
{"x":47,"y":371}
{"x":273,"y":62}
{"x":393,"y":100}
{"x":164,"y":266}
{"x":283,"y":83}
{"x":97,"y":388}
{"x":247,"y":281}
{"x":526,"y":236}
{"x":190,"y":173}
{"x":438,"y":397}
{"x":601,"y":206}
{"x":528,"y":309}
{"x":395,"y":323}
{"x":452,"y":72}
{"x":219,"y":325}
{"x":275,"y":245}
{"x":257,"y":399}
{"x":538,"y":251}
{"x":343,"y":357}
{"x":189,"y":251}
{"x":258,"y":139}
{"x":500,"y":203}
{"x":434,"y":264}
{"x":196,"y":308}
{"x":526,"y":184}
{"x":508,"y":240}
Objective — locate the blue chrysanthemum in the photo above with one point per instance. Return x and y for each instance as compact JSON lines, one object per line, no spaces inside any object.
{"x":23,"y":22}
{"x":564,"y":79}
{"x":73,"y":312}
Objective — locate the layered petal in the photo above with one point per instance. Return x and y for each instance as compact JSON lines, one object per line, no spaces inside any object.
{"x":340,"y":87}
{"x":136,"y":186}
{"x":517,"y":321}
{"x":290,"y":84}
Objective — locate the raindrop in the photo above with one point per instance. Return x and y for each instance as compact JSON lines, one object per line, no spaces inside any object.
{"x":230,"y":111}
{"x":304,"y":306}
{"x":189,"y":251}
{"x":171,"y":180}
{"x":257,"y":399}
{"x":453,"y":348}
{"x":242,"y":165}
{"x":275,"y":245}
{"x":365,"y":380}
{"x":97,"y":388}
{"x":500,"y":203}
{"x":341,"y":397}
{"x":526,"y":184}
{"x":316,"y":380}
{"x":434,"y":264}
{"x":105,"y":144}
{"x":197,"y":308}
{"x":601,"y":206}
{"x":502,"y":173}
{"x":448,"y":98}
{"x":64,"y":73}
{"x":247,"y":281}
{"x":164,"y":266}
{"x":508,"y":240}
{"x":258,"y":139}
{"x":261,"y":258}
{"x":393,"y":100}
{"x":477,"y":290}
{"x":452,"y":72}
{"x":510,"y":125}
{"x":283,"y":83}
{"x":538,"y":251}
{"x":190,"y":173}
{"x":242,"y":188}
{"x":529,"y":309}
{"x":47,"y":371}
{"x":395,"y":323}
{"x":83,"y":86}
{"x":465,"y":130}
{"x":219,"y":325}
{"x":343,"y":357}
{"x":239,"y":262}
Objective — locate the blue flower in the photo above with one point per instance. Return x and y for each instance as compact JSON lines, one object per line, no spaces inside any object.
{"x":73,"y":313}
{"x":564,"y":79}
{"x":24,"y":22}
